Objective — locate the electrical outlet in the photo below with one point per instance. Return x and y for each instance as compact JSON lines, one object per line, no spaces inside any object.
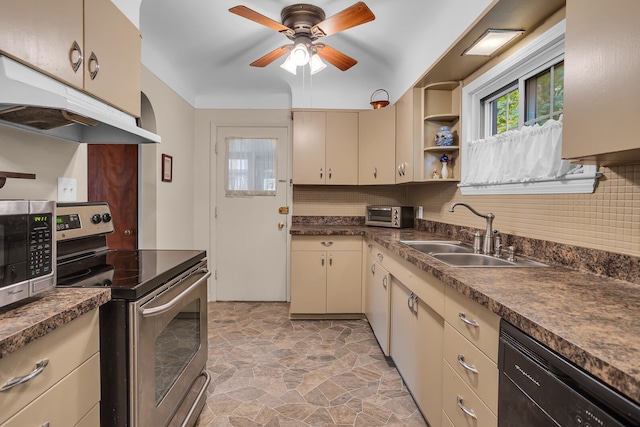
{"x":67,"y":189}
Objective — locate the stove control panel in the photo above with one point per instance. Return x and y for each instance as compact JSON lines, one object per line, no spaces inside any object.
{"x":75,"y":220}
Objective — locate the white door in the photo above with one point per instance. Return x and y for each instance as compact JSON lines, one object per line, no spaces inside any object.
{"x":252,"y":185}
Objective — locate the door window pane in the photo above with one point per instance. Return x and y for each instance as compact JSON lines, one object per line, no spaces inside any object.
{"x":251,"y":167}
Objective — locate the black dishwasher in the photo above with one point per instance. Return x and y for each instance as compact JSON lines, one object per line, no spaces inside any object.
{"x":539,"y":388}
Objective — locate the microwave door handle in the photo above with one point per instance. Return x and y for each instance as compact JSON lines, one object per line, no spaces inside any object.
{"x":161,"y":309}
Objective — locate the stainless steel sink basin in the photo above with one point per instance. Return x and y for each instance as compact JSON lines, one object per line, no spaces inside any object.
{"x":455,"y":253}
{"x":482,"y":260}
{"x":438,"y":246}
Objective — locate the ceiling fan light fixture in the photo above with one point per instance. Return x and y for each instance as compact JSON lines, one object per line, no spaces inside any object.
{"x":300,"y":54}
{"x":491,"y":41}
{"x":316,"y":64}
{"x":289,"y":65}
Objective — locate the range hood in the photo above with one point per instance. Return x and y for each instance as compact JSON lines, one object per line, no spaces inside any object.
{"x":35,"y":102}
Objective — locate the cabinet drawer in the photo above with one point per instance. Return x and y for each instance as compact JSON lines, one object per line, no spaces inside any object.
{"x":458,"y":397}
{"x":66,"y":348}
{"x":65,"y":403}
{"x":484,"y":382}
{"x":334,"y":243}
{"x":424,"y":285}
{"x":92,"y":419}
{"x":473,"y":321}
{"x":446,"y":422}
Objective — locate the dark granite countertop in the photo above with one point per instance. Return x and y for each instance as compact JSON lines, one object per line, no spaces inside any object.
{"x":23,"y":324}
{"x":589,"y":319}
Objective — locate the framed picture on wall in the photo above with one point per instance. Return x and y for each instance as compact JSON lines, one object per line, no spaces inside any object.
{"x":167,"y":168}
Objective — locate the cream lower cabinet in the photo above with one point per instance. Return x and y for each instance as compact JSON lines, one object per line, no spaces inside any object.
{"x":326,"y":274}
{"x":376,"y":301}
{"x":470,"y":386}
{"x":416,"y":348}
{"x":67,"y":390}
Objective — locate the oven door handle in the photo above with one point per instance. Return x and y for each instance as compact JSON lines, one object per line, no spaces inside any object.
{"x":148,"y":312}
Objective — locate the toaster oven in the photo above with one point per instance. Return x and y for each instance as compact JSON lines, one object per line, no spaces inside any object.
{"x":390,"y":216}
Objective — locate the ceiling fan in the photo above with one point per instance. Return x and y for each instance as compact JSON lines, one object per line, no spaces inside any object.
{"x":304,"y":24}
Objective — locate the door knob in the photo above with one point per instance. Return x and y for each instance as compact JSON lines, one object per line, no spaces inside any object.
{"x":281,"y":225}
{"x":128,"y":232}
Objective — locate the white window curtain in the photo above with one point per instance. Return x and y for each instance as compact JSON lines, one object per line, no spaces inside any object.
{"x":532,"y":153}
{"x":251,"y":167}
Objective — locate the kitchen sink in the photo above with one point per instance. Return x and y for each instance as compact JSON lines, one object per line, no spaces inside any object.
{"x":482,"y":260}
{"x":455,"y":253}
{"x":438,"y":246}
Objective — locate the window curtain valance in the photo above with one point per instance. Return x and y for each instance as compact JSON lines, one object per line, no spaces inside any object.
{"x":532,"y":153}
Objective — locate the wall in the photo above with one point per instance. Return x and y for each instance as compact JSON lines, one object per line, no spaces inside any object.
{"x":344,"y":201}
{"x":48,"y":158}
{"x":166,"y":217}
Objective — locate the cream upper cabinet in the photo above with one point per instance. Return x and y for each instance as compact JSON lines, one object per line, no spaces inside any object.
{"x":309,"y":130}
{"x":377,"y":146}
{"x":90,"y":45}
{"x":601,"y":96}
{"x":112,"y":56}
{"x":43,"y":35}
{"x":326,"y":274}
{"x":408,"y":136}
{"x":325,"y":148}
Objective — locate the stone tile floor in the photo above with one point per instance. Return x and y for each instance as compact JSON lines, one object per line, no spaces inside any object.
{"x":270,"y":371}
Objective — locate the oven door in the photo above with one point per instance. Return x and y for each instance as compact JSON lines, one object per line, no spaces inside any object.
{"x":168,"y":346}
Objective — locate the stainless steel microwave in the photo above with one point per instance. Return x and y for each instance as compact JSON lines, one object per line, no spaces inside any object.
{"x":27,"y":249}
{"x":390,"y":216}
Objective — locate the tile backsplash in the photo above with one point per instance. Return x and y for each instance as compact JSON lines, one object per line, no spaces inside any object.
{"x":608,"y":219}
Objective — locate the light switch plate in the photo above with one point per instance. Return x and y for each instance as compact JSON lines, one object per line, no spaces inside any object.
{"x":67,"y":189}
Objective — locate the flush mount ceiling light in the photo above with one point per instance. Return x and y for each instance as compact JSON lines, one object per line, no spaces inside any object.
{"x":305,"y":24}
{"x":491,"y":41}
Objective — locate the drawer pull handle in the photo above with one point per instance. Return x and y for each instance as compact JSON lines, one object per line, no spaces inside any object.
{"x":466,"y":365}
{"x":410,"y":302}
{"x":415,"y":304}
{"x":323,"y":260}
{"x":466,"y":410}
{"x":21,"y":380}
{"x":380,"y":256}
{"x":373,"y":268}
{"x":468,"y":321}
{"x":330,"y":260}
{"x":384,"y":281}
{"x":45,"y":424}
{"x":326,"y":243}
{"x":370,"y":246}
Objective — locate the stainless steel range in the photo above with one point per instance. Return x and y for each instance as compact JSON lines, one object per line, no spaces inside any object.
{"x":153,"y":332}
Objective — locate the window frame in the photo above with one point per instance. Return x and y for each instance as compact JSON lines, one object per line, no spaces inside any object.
{"x":524,"y":63}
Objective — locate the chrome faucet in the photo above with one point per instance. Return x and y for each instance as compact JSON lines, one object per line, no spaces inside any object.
{"x":487,"y":243}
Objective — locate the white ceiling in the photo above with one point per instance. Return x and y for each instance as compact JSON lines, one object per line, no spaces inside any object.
{"x":203,"y":51}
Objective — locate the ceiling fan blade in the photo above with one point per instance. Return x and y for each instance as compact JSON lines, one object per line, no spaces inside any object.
{"x":254,"y":16}
{"x":352,"y":16}
{"x":335,"y":57}
{"x":272,"y":56}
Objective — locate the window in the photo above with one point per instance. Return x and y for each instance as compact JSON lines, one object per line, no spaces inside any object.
{"x":526,"y":89}
{"x":251,"y":167}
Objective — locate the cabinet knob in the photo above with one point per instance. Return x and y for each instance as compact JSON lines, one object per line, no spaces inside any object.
{"x":128,"y":232}
{"x":281,"y":225}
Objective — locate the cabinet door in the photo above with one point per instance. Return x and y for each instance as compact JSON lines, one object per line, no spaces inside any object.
{"x":41,"y":34}
{"x":309,"y":147}
{"x":116,"y":42}
{"x":376,"y":306}
{"x":406,"y":135}
{"x":342,"y":148}
{"x":377,"y":146}
{"x":416,"y":348}
{"x":308,"y":282}
{"x":344,"y":282}
{"x":601,"y":65}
